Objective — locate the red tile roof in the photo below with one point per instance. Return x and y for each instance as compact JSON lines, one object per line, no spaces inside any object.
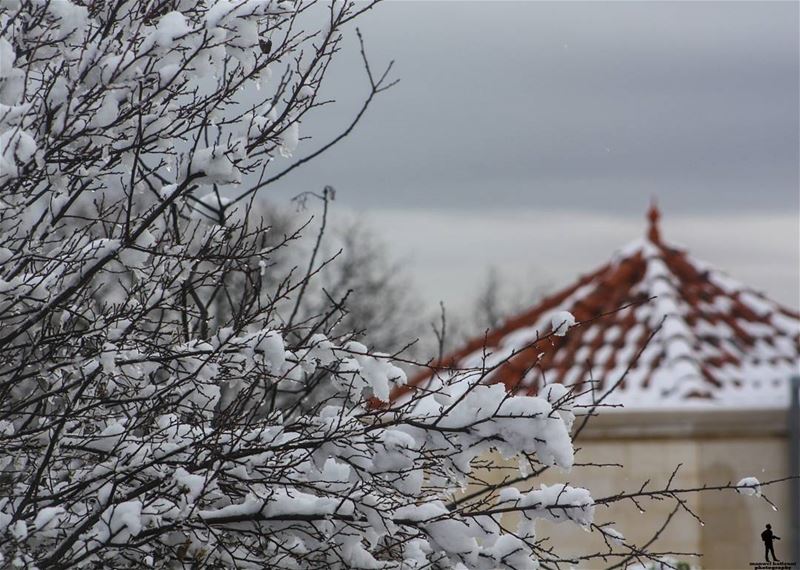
{"x":713,"y":339}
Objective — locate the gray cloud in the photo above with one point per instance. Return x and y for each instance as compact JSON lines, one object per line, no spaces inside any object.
{"x":508,"y":111}
{"x":577,"y":105}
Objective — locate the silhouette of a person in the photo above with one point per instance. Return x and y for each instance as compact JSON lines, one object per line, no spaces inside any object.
{"x":768,"y":537}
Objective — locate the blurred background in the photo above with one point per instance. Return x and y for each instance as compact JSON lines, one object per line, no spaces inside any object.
{"x":525,"y":140}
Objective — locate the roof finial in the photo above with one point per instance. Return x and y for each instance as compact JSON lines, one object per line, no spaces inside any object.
{"x":654,"y":215}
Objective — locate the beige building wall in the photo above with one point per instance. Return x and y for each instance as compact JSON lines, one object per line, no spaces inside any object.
{"x":620,"y":451}
{"x":732,"y":534}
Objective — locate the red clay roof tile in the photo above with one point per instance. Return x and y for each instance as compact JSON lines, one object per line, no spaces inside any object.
{"x":706,"y":348}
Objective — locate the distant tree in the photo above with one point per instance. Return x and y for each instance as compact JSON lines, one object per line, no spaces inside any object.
{"x":496,"y":300}
{"x":499,"y":299}
{"x":382,"y":305}
{"x":490,"y":307}
{"x":376,"y":298}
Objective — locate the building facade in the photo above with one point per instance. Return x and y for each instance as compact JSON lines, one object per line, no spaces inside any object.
{"x":689,"y":370}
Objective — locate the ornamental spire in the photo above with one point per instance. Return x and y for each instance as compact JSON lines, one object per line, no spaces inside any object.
{"x":654,"y":215}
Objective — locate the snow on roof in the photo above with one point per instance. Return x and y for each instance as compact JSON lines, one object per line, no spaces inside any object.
{"x":701,"y":337}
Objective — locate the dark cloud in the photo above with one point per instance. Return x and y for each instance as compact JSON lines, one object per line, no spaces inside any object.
{"x":585,"y":106}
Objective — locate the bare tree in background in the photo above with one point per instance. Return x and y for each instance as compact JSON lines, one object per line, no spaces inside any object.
{"x":381,"y":305}
{"x":356,"y":273}
{"x":499,"y":299}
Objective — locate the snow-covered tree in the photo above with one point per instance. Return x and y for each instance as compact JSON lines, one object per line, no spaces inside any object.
{"x":159,"y":405}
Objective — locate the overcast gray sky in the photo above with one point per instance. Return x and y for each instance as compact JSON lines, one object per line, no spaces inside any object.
{"x":530,"y":136}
